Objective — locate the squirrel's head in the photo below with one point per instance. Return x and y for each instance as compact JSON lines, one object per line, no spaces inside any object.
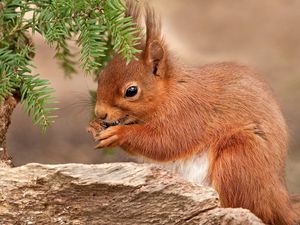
{"x":130,"y":93}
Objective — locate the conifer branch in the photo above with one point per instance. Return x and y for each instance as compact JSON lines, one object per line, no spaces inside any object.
{"x":99,"y":27}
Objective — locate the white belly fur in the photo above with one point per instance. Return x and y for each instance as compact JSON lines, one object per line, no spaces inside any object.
{"x":194,"y":169}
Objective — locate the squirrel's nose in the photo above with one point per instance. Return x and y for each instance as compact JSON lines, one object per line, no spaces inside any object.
{"x":100,"y":114}
{"x":101,"y":111}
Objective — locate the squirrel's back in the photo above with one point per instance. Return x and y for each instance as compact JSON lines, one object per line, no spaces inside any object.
{"x":228,"y":95}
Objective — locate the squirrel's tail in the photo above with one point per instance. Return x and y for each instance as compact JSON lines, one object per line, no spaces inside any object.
{"x":295,"y":200}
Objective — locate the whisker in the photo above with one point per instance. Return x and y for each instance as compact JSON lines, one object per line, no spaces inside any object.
{"x":81,"y":104}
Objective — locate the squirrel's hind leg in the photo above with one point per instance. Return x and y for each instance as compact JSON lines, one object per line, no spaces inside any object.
{"x":245,"y":174}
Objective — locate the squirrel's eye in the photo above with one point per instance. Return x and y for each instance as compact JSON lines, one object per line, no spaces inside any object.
{"x":131,"y":91}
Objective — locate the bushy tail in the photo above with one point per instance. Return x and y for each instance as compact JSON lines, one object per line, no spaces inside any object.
{"x":295,"y":200}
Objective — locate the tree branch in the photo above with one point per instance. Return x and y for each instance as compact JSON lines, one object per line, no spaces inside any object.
{"x":119,"y":193}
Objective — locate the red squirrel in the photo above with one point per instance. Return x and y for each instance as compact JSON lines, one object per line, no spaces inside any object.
{"x":217,"y":125}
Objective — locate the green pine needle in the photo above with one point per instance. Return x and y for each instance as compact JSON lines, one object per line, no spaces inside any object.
{"x":98,"y":27}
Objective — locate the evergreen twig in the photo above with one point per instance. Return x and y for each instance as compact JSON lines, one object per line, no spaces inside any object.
{"x":99,"y":27}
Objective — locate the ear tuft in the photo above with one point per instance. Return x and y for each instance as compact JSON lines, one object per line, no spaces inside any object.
{"x":133,"y":11}
{"x":154,"y":52}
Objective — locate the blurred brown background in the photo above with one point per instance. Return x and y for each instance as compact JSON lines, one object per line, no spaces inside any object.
{"x":262,"y":34}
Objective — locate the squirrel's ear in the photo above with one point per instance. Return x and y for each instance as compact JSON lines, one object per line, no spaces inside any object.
{"x":155,"y":54}
{"x":156,"y":57}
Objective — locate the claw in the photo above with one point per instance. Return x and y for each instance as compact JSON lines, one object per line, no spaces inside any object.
{"x":98,"y":146}
{"x":108,"y":142}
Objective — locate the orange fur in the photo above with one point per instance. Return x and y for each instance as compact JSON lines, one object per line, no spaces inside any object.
{"x":225,"y":109}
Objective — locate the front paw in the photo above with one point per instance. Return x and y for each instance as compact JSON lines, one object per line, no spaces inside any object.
{"x":110,"y":137}
{"x":95,"y":127}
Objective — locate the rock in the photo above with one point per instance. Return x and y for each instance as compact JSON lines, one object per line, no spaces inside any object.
{"x":118,"y":194}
